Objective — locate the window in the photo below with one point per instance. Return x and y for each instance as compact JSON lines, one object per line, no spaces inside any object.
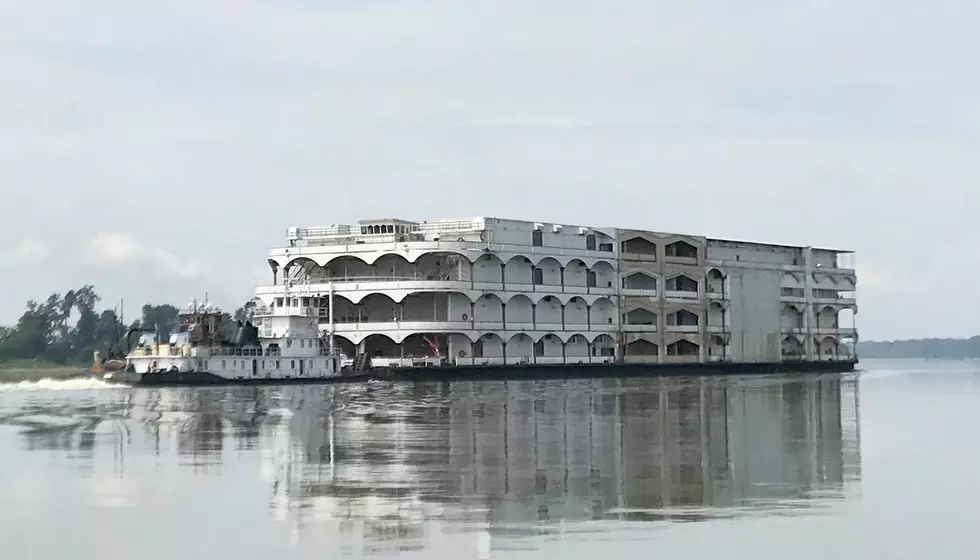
{"x":222,"y":364}
{"x":277,"y":364}
{"x":606,"y":247}
{"x":292,"y":364}
{"x":537,"y":238}
{"x":590,"y":242}
{"x":538,"y":275}
{"x":608,"y":352}
{"x":591,"y":279}
{"x":539,"y":348}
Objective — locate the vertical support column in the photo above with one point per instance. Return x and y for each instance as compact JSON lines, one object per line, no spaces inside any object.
{"x":330,"y":328}
{"x":534,"y":316}
{"x":564,"y":359}
{"x":563,"y":317}
{"x":503,"y":276}
{"x":472,"y":315}
{"x":472,"y":276}
{"x":808,"y":295}
{"x":503,"y":350}
{"x":503,"y":315}
{"x":561,"y":274}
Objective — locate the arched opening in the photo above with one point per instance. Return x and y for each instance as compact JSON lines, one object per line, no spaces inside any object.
{"x":576,"y":274}
{"x":639,"y":246}
{"x":602,"y":275}
{"x":792,"y":348}
{"x":379,"y":346}
{"x":828,"y":348}
{"x":488,"y":312}
{"x":683,"y":347}
{"x":682,"y":250}
{"x":602,"y":312}
{"x":429,"y":306}
{"x":519,"y":313}
{"x":548,"y":314}
{"x":487,"y":270}
{"x":577,"y":349}
{"x":716,"y":315}
{"x":341,"y":344}
{"x":302,"y":270}
{"x":640,"y":281}
{"x":519,"y":272}
{"x":344,"y":311}
{"x":425,"y":345}
{"x":379,"y":308}
{"x":274,"y":266}
{"x":520,"y":349}
{"x":548,"y":349}
{"x":641,"y":348}
{"x":489,"y":349}
{"x":443,"y":267}
{"x":349,"y":269}
{"x":827,"y":318}
{"x":548,"y":273}
{"x":394,"y":267}
{"x":682,"y":318}
{"x":792,"y":318}
{"x":603,"y":348}
{"x":682,"y":284}
{"x":640,"y":316}
{"x":715,"y":282}
{"x":717,"y":348}
{"x":576,"y":313}
{"x":847,"y":319}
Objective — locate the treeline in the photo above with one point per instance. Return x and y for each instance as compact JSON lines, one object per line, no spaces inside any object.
{"x":954,"y":348}
{"x":67,"y":329}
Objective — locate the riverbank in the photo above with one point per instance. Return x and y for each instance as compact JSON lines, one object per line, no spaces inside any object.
{"x":16,"y":374}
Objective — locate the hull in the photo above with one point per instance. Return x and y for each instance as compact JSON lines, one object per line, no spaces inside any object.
{"x":501,"y":373}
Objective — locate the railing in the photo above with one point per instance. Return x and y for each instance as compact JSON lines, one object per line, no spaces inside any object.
{"x":448,"y":226}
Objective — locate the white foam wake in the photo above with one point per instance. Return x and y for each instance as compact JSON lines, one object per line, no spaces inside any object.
{"x":80,"y":384}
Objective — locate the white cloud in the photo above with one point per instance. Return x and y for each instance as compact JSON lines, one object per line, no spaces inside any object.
{"x":827,"y":123}
{"x":114,"y":249}
{"x":30,"y":251}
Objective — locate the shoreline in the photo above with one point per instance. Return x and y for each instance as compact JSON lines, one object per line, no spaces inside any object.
{"x":19,"y":374}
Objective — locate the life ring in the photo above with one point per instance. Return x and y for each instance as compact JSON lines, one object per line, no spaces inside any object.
{"x":466,"y":317}
{"x":462,"y":353}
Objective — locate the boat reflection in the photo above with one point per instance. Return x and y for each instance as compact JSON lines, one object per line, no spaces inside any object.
{"x":383,"y":468}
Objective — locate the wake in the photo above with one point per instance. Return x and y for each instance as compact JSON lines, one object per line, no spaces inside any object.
{"x":81,"y":384}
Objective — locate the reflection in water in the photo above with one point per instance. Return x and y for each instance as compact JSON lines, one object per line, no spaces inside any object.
{"x":384,"y":469}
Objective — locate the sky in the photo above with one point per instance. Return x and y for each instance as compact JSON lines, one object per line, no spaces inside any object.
{"x":158,"y":150}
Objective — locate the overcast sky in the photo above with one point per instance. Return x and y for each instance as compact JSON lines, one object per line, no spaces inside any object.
{"x":158,"y":149}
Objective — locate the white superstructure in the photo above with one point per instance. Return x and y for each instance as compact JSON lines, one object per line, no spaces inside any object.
{"x":486,"y":291}
{"x":288,"y":345}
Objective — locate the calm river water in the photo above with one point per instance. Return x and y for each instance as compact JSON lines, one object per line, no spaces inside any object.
{"x":883,"y":464}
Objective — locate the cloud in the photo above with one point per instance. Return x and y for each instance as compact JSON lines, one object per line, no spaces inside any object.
{"x":830,"y":123}
{"x":113,"y":249}
{"x":30,"y":251}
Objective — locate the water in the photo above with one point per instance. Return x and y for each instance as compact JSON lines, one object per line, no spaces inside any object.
{"x":880,"y":465}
